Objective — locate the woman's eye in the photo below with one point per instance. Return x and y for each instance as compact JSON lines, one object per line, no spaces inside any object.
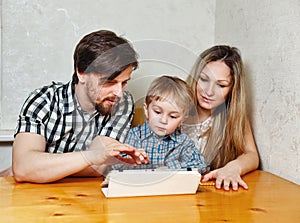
{"x":173,"y":116}
{"x":223,"y":85}
{"x":157,"y":112}
{"x":203,"y":79}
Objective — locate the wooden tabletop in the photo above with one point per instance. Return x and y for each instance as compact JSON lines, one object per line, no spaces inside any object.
{"x":268,"y":199}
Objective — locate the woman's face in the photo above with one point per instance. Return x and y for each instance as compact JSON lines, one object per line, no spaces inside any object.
{"x":214,"y":85}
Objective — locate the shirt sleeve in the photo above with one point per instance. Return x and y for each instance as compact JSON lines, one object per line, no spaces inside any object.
{"x":33,"y":113}
{"x":134,"y":137}
{"x":190,"y":157}
{"x":118,"y":125}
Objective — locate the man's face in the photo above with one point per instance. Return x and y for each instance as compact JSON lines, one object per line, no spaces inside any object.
{"x":102,"y":94}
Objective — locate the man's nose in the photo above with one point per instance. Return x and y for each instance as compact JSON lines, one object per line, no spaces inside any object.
{"x":118,"y":89}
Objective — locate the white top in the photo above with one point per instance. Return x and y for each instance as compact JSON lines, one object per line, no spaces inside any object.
{"x":197,"y":132}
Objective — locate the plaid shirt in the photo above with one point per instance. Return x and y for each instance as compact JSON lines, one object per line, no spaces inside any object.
{"x":53,"y":112}
{"x":175,"y":151}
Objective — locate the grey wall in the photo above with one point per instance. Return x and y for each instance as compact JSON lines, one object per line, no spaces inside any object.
{"x":39,"y":36}
{"x":38,"y":39}
{"x":267,"y":33}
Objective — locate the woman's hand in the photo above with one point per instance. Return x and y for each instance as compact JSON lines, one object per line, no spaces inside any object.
{"x":226,"y":176}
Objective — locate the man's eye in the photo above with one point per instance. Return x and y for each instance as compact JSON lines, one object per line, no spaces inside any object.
{"x":108,"y":83}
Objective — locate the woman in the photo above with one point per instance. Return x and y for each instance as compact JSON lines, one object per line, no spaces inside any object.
{"x":220,"y":126}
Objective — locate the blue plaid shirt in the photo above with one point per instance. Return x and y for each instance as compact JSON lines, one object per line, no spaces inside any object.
{"x":174,"y":151}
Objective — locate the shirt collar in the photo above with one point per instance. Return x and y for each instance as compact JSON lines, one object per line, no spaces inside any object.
{"x":68,"y":95}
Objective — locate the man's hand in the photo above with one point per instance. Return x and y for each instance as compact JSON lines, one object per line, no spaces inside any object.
{"x":105,"y":150}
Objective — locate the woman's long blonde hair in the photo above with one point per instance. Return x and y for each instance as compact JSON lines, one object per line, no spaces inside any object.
{"x":226,"y":136}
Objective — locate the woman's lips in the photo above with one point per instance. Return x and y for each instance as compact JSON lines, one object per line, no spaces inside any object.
{"x":206,"y":99}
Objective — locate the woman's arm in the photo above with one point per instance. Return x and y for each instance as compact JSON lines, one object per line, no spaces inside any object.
{"x":231,"y":173}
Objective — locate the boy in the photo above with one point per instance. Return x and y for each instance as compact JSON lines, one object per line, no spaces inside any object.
{"x":167,"y":104}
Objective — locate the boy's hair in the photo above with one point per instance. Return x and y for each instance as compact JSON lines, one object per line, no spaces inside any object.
{"x":103,"y":52}
{"x":173,"y":89}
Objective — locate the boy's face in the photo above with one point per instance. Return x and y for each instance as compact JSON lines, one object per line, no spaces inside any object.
{"x":164,"y":116}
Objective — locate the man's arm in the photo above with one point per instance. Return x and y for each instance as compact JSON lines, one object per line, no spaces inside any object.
{"x":31,"y":163}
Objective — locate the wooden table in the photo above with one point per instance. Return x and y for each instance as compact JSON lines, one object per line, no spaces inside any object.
{"x":269,"y":199}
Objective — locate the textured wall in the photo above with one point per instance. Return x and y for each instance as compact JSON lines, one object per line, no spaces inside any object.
{"x":267,"y":34}
{"x":39,"y":36}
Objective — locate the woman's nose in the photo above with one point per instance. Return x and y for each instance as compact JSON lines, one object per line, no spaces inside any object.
{"x":209,"y":89}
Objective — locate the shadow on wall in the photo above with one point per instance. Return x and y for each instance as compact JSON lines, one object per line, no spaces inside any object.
{"x":250,"y":100}
{"x":5,"y":157}
{"x":7,"y":172}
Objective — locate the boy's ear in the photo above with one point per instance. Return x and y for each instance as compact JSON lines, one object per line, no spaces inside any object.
{"x":146,"y":110}
{"x":184,"y":118}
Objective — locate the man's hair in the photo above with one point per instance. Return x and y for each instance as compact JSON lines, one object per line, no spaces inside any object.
{"x":103,"y":52}
{"x":173,"y":89}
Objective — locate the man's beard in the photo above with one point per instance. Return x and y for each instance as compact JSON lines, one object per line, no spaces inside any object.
{"x":106,"y":109}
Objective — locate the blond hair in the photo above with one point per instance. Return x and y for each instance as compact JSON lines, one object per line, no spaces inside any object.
{"x":226,"y":136}
{"x":173,"y":89}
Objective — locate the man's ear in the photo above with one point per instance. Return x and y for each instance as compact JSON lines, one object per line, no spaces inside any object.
{"x":81,"y":76}
{"x":146,"y":110}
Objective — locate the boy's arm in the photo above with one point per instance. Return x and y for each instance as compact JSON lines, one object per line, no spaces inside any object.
{"x":191,"y":157}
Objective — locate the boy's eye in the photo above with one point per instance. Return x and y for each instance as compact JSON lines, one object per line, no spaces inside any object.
{"x":173,"y":116}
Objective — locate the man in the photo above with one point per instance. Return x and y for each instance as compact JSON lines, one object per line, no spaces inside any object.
{"x":77,"y":128}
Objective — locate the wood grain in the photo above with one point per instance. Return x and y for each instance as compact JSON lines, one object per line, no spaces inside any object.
{"x":268,"y":199}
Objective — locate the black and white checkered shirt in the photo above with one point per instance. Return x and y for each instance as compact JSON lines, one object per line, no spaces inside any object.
{"x":53,"y":112}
